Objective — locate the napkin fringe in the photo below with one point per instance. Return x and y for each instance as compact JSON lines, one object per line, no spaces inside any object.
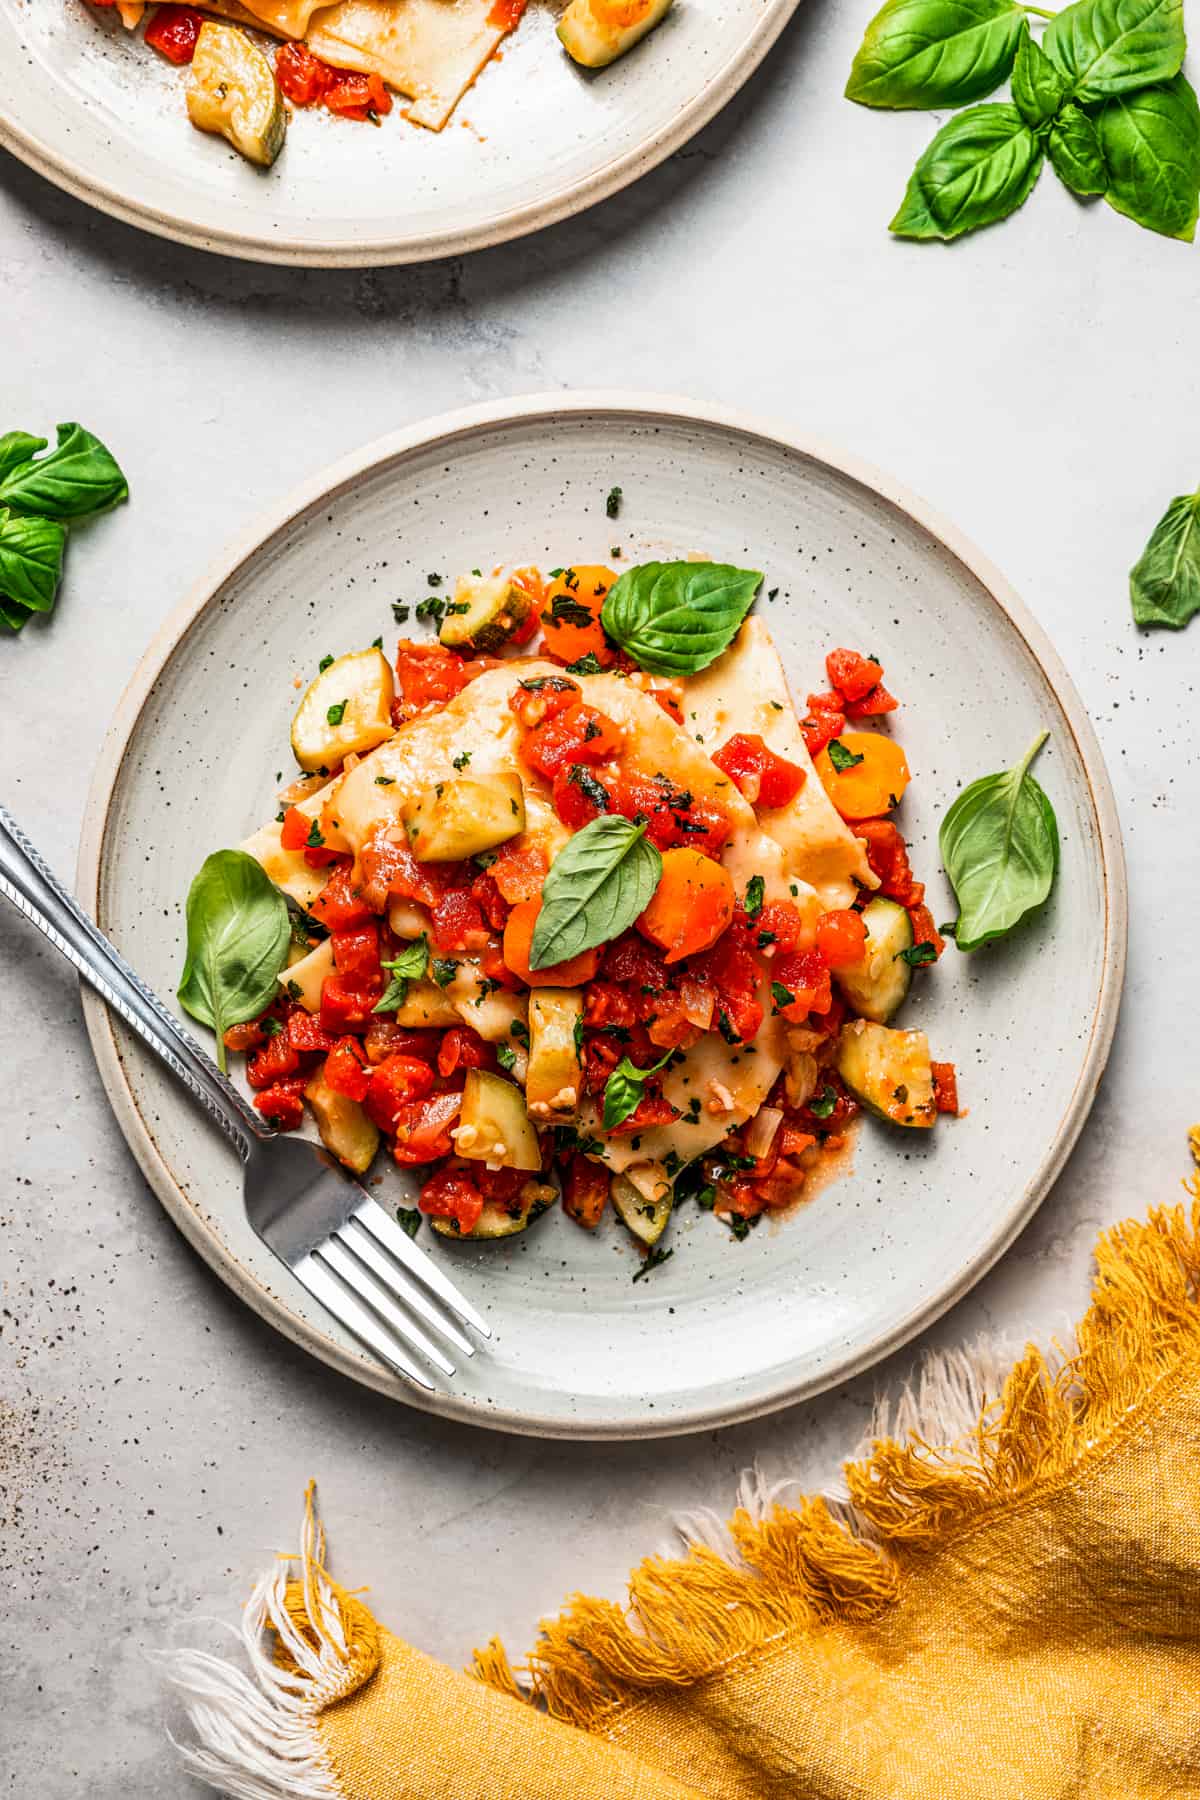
{"x":968,"y":1445}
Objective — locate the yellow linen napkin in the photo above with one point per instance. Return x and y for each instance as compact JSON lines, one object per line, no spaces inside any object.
{"x":1015,"y":1617}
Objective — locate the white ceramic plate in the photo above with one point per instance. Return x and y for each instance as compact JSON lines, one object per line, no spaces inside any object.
{"x":104,"y":117}
{"x":724,"y":1329}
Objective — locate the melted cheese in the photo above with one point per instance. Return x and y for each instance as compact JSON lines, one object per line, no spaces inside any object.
{"x":745,"y":690}
{"x":287,"y":18}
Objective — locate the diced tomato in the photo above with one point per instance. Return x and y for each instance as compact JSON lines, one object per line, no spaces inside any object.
{"x":356,"y":959}
{"x":280,"y":1107}
{"x":274,"y":1060}
{"x":804,"y":976}
{"x":825,"y":721}
{"x":423,"y":1129}
{"x":458,"y":924}
{"x":733,"y":973}
{"x":581,"y":734}
{"x":794,"y":1142}
{"x":651,"y":1110}
{"x":533,"y":702}
{"x":463,"y":1048}
{"x":385,"y":1038}
{"x":345,"y":1070}
{"x":852,"y":675}
{"x":606,"y":1004}
{"x":841,"y":937}
{"x":674,"y":817}
{"x":344,"y":1009}
{"x":945,"y":1087}
{"x":393,"y":1084}
{"x":580,"y":795}
{"x":296,"y":829}
{"x":490,"y":901}
{"x":777,"y":923}
{"x":674,"y":1020}
{"x":173,"y":32}
{"x":519,"y":870}
{"x":602,"y":1052}
{"x":762,"y":777}
{"x":826,"y":1124}
{"x":240,"y":1038}
{"x":340,"y":906}
{"x":923,"y":928}
{"x":428,"y":674}
{"x":303,"y":78}
{"x":389,"y":868}
{"x":877,"y":702}
{"x":451,"y":1194}
{"x":887,"y":854}
{"x":635,"y":965}
{"x":493,"y":967}
{"x":585,"y":1191}
{"x":305,"y":1033}
{"x":354,"y":96}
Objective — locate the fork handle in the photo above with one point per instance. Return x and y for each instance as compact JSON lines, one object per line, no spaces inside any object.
{"x":37,"y":893}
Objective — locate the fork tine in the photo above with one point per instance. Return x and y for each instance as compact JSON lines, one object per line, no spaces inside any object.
{"x":417,"y":1263}
{"x":347,"y":1311}
{"x":357,"y":1239}
{"x":379,"y":1300}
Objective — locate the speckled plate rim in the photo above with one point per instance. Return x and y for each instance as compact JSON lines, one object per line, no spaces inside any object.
{"x":352,"y":252}
{"x":443,"y":431}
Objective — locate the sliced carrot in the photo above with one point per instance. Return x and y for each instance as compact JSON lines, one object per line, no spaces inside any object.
{"x":870,"y":784}
{"x":518,"y":942}
{"x":572,"y":593}
{"x":692,"y":904}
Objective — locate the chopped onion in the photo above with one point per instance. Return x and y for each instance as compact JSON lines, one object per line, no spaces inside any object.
{"x":699,"y":1002}
{"x":760,"y":1133}
{"x":801,"y":1077}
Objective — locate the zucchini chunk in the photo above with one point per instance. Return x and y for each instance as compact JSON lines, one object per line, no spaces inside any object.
{"x":878,"y":984}
{"x":595,"y":32}
{"x":426,"y":1004}
{"x":493,"y":1124}
{"x":554,"y":1072}
{"x":304,"y":980}
{"x":347,"y":710}
{"x":484,"y":613}
{"x":889,"y":1071}
{"x":233,"y":92}
{"x":496,"y":1221}
{"x":645,"y":1215}
{"x":345,"y":1129}
{"x":462,"y":818}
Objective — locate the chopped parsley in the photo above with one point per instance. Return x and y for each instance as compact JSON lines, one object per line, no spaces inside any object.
{"x":822,"y":1104}
{"x":443,"y":969}
{"x":591,"y":789}
{"x":462,"y":759}
{"x":841,"y":758}
{"x":577,"y":1035}
{"x":567,"y":611}
{"x":753,"y":903}
{"x":337,"y":712}
{"x":555,"y":683}
{"x":918,"y":955}
{"x":377,"y":643}
{"x":400,"y":612}
{"x":326,"y":662}
{"x":434,"y":580}
{"x":409,"y":1219}
{"x":272,"y":1027}
{"x":314,"y":840}
{"x":385,"y":781}
{"x":506,"y":1056}
{"x":587,"y":664}
{"x":781,"y":996}
{"x":654,"y":1260}
{"x":520,"y":1030}
{"x":612,"y":503}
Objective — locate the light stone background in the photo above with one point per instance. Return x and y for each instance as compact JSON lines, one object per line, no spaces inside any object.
{"x":1038,"y":384}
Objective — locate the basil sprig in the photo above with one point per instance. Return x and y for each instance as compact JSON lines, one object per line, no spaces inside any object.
{"x":675,"y":618}
{"x":999,"y":845}
{"x":238,"y":934}
{"x":1164,"y":583}
{"x":599,"y":882}
{"x":624,"y":1089}
{"x":410,"y":965}
{"x":38,"y":494}
{"x":1102,"y":97}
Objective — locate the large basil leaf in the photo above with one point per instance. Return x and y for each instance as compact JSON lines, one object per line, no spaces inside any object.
{"x":675,"y":618}
{"x":237,"y":943}
{"x":1073,"y":146}
{"x":18,"y":447}
{"x":979,"y":168}
{"x":624,"y":1089}
{"x":13,"y":615}
{"x":31,"y":557}
{"x":599,"y":882}
{"x":1107,"y":47}
{"x":1164,"y":583}
{"x":1151,"y":146}
{"x":1038,"y":88}
{"x":935,"y":52}
{"x":78,"y":477}
{"x":999,"y":845}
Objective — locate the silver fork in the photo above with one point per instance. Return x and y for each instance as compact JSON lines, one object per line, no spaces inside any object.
{"x":319,"y":1221}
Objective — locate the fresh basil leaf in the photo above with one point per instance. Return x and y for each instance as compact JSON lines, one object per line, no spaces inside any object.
{"x":979,"y":168}
{"x":237,"y":943}
{"x":599,"y":882}
{"x":1073,"y":146}
{"x":1151,"y":147}
{"x":31,"y":557}
{"x":624,"y":1087}
{"x":935,"y":52}
{"x":756,"y":889}
{"x":1164,"y":583}
{"x":999,"y":844}
{"x":78,"y":477}
{"x":1107,"y":47}
{"x":410,"y":965}
{"x":1038,"y":88}
{"x":13,"y":615}
{"x":17,"y":447}
{"x":676,"y":618}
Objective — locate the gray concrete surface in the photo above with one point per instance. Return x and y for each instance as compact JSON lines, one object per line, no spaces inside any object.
{"x":1038,"y":384}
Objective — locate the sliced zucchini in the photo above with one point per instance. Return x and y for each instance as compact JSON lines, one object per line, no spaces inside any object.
{"x":878,"y":985}
{"x":645,"y":1214}
{"x":287,"y":868}
{"x":426,"y":1004}
{"x":304,"y":980}
{"x":493,"y":1125}
{"x":484,"y":613}
{"x":462,"y":818}
{"x":232,"y":91}
{"x":555,"y":1034}
{"x":596,"y":32}
{"x":889,"y":1071}
{"x":495,"y":1221}
{"x":345,"y":1129}
{"x":347,"y":710}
